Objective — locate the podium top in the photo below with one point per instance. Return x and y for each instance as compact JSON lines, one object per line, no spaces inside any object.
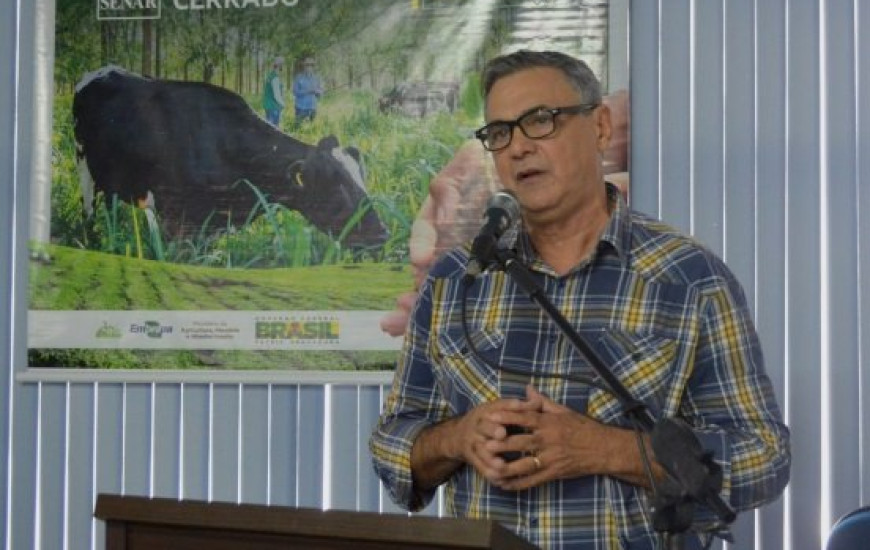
{"x":389,"y":529}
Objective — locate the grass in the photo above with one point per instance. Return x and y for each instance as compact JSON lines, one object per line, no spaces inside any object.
{"x":276,"y":260}
{"x":99,"y":281}
{"x":401,"y":156}
{"x":220,"y":360}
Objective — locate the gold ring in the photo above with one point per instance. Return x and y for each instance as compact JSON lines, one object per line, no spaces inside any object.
{"x":537,"y":461}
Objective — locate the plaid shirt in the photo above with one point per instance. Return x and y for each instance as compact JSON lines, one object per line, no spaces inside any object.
{"x":667,"y":316}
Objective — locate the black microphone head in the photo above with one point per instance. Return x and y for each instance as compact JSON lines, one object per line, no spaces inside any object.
{"x":502,"y":212}
{"x":503,"y":207}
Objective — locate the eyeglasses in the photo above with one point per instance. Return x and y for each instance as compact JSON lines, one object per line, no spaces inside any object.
{"x":535,"y":124}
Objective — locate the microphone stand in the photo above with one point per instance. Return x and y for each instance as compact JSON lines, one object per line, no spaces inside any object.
{"x":693,"y":476}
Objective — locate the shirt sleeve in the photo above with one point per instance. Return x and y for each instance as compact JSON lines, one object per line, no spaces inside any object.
{"x":298,"y":87}
{"x":731,"y":403}
{"x":413,"y":404}
{"x":277,"y":92}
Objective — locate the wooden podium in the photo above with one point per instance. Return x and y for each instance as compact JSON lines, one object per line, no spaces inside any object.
{"x":134,"y":523}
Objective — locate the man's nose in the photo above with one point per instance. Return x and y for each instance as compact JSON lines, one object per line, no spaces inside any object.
{"x":520,"y":143}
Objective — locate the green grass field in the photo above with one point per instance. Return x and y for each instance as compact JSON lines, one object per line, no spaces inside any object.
{"x":73,"y":279}
{"x":63,"y":278}
{"x":114,"y":262}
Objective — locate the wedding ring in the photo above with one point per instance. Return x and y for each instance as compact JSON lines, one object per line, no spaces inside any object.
{"x":537,"y":462}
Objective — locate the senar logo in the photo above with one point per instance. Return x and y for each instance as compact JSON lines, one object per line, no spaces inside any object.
{"x":128,"y":9}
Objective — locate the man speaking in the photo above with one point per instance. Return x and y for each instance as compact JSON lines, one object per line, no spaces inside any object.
{"x":491,"y":398}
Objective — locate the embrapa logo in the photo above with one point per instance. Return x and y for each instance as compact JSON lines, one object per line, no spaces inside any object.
{"x":152,"y":329}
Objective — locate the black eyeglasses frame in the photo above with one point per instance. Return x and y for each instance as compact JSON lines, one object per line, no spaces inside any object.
{"x":482,"y":133}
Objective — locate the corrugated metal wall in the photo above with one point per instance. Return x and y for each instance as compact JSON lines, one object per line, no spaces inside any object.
{"x":254,"y":443}
{"x":749,"y":129}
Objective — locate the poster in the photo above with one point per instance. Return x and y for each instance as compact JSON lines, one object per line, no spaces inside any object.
{"x":258,"y":184}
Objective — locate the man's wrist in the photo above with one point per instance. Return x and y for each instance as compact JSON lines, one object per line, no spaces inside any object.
{"x":445,"y":440}
{"x":435,"y":455}
{"x":626,"y":460}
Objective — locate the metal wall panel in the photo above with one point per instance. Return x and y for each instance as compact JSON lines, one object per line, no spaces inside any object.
{"x":23,"y":520}
{"x":840,"y":258}
{"x":196,"y":436}
{"x":51,"y":466}
{"x":706,"y":107}
{"x":80,"y":468}
{"x":738,"y":161}
{"x":8,"y":83}
{"x":803,"y":228}
{"x":645,"y":62}
{"x":137,"y":439}
{"x":283,"y":446}
{"x":674,"y":100}
{"x":862,"y":155}
{"x":770,"y":184}
{"x":166,"y":437}
{"x":254,"y":443}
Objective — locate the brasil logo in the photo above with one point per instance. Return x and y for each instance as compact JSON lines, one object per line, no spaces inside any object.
{"x":291,"y":329}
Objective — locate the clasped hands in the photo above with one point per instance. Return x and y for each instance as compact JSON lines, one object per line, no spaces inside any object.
{"x":555,"y":442}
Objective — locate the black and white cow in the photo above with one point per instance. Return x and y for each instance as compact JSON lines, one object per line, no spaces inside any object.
{"x":185,"y":148}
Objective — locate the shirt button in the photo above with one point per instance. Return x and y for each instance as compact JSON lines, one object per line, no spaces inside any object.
{"x":553,"y":336}
{"x":533,"y":521}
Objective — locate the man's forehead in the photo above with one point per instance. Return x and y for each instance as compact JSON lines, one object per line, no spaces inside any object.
{"x":522,"y":91}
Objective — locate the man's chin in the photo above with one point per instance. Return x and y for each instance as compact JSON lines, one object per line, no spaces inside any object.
{"x":537,"y":197}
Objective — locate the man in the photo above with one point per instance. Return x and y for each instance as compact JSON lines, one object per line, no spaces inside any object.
{"x":458,"y":195}
{"x":666,"y":314}
{"x":306,"y":91}
{"x":273,"y":93}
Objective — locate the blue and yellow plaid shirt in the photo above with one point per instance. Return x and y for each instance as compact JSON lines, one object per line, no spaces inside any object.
{"x":668,"y":317}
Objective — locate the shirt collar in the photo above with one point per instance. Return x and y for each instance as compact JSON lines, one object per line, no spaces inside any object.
{"x":616,"y":235}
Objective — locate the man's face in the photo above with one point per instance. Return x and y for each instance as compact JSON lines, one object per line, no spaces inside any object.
{"x":553,"y":176}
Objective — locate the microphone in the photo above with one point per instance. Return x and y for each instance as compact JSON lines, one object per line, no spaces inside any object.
{"x":502,"y":211}
{"x":678,"y":450}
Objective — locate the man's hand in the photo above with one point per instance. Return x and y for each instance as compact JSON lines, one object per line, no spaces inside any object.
{"x":468,"y":439}
{"x":561,"y":444}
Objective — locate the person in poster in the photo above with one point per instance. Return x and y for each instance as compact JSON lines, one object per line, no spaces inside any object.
{"x":273,"y":93}
{"x":307,"y":89}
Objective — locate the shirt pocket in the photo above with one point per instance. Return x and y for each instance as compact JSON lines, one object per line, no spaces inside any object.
{"x":643,"y":363}
{"x":465,"y":378}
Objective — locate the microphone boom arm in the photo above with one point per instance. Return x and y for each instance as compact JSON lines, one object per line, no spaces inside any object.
{"x":696,"y":470}
{"x":521,"y":276}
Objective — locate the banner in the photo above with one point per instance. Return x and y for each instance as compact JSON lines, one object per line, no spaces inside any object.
{"x":261,"y":184}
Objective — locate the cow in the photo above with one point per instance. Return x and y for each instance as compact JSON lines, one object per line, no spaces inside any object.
{"x":419,"y":99}
{"x":192,"y":151}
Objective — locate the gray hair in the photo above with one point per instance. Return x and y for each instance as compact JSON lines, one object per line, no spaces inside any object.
{"x":578,"y":73}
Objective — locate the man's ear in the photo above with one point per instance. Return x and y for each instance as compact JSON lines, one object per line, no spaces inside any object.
{"x":603,"y":126}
